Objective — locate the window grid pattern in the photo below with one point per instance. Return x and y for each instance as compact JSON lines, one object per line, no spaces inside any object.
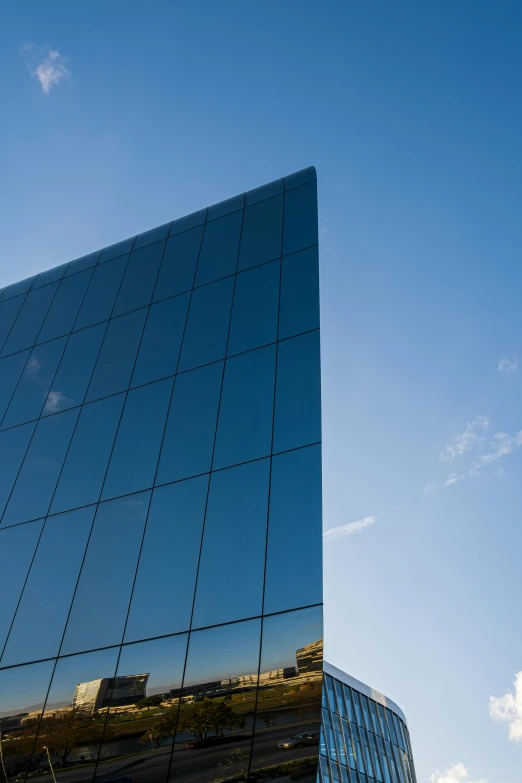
{"x":361,"y":740}
{"x":160,"y":427}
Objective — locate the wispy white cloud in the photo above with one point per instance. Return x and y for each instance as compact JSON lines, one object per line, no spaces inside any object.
{"x":45,"y":64}
{"x":501,"y":445}
{"x":55,"y":401}
{"x":347,"y":530}
{"x":508,"y":709}
{"x":428,"y":489}
{"x":32,"y":367}
{"x":454,"y":478}
{"x":507,"y":365}
{"x":465,"y":440}
{"x":458,"y":773}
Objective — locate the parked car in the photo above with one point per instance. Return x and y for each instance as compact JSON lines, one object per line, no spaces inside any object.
{"x":302,"y":740}
{"x":209,"y":742}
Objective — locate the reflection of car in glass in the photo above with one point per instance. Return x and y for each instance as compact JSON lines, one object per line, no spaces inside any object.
{"x":300,"y":740}
{"x":211,"y":741}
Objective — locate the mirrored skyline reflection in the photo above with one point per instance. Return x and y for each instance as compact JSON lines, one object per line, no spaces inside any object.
{"x":160,"y":495}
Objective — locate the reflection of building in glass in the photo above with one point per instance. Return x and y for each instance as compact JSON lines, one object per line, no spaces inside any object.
{"x":310,"y":658}
{"x":89,"y":697}
{"x":362,"y":732}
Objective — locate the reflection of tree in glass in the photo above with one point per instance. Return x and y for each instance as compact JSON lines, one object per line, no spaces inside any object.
{"x":205,"y":716}
{"x":63,"y":733}
{"x":149,"y":702}
{"x":237,"y":756}
{"x":269,"y":719}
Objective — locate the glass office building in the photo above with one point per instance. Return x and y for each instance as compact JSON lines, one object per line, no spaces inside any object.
{"x":160,"y":503}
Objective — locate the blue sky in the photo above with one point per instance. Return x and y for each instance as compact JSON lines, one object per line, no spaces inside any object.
{"x":411,"y":113}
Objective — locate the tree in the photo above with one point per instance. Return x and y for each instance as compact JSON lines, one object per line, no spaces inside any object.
{"x":238,"y":756}
{"x":205,"y":716}
{"x":150,"y":701}
{"x":63,"y":732}
{"x":164,"y":728}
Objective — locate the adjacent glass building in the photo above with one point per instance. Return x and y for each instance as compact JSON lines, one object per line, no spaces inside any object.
{"x":160,"y":502}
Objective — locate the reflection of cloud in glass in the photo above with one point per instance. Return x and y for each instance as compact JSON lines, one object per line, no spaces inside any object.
{"x":55,"y":401}
{"x":33,"y":367}
{"x":286,"y":633}
{"x":223,"y":652}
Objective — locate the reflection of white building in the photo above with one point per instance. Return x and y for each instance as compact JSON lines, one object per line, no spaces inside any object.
{"x":109,"y":692}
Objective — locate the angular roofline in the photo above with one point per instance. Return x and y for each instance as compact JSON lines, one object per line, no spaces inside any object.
{"x":338,"y":674}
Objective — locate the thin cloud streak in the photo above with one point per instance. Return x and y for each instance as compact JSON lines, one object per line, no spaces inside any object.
{"x":506,"y":365}
{"x":466,"y":440}
{"x":349,"y":529}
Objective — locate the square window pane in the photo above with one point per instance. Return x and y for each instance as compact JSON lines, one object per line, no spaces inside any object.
{"x":300,"y":225}
{"x":164,"y":592}
{"x":115,"y":363}
{"x":297,"y":420}
{"x":237,"y":510}
{"x":299,"y":308}
{"x":191,"y":425}
{"x":101,"y":294}
{"x":17,"y":546}
{"x":107,"y":575}
{"x":220,"y":247}
{"x":207,"y":324}
{"x":64,"y":309}
{"x":41,"y":468}
{"x":84,"y":469}
{"x":159,"y":350}
{"x":41,"y":616}
{"x":294,"y":525}
{"x":75,"y":370}
{"x":136,"y":450}
{"x":13,"y":445}
{"x":262,"y":234}
{"x":255,"y":308}
{"x":33,"y":386}
{"x":178,"y":266}
{"x":30,"y":319}
{"x":245,"y":414}
{"x":8,"y":313}
{"x":11,"y":368}
{"x":140,"y":278}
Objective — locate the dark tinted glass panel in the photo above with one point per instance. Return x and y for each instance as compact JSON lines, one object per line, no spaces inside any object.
{"x":294,"y":526}
{"x":153,"y":235}
{"x":21,"y":287}
{"x":300,"y":178}
{"x":140,"y":278}
{"x":101,"y":294}
{"x":75,"y":370}
{"x":264,"y":192}
{"x":191,"y":426}
{"x":299,"y":293}
{"x":219,"y":249}
{"x":188,"y":221}
{"x":75,"y":708}
{"x":230,"y":672}
{"x":118,"y":249}
{"x":159,"y":349}
{"x":262,"y":233}
{"x":300,"y":225}
{"x":50,"y":276}
{"x":290,"y":680}
{"x":225,"y":207}
{"x":40,"y":620}
{"x":22,"y":692}
{"x":107,"y":574}
{"x":8,"y":313}
{"x":64,"y":309}
{"x":144,"y":703}
{"x":37,"y":479}
{"x":84,"y":469}
{"x":245,"y":415}
{"x":235,"y":524}
{"x":115,"y":363}
{"x":254,"y":313}
{"x":136,"y":450}
{"x":30,"y":319}
{"x":85,"y":262}
{"x":298,"y":393}
{"x":17,"y":546}
{"x":207,"y":324}
{"x":33,"y":386}
{"x":13,"y":445}
{"x":163,"y":593}
{"x":178,"y":266}
{"x":11,"y":369}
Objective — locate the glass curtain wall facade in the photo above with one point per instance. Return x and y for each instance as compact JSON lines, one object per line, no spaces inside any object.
{"x":364,"y":736}
{"x":160,"y":502}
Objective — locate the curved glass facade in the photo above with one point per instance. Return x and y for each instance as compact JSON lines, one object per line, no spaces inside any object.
{"x":160,"y":503}
{"x":364,"y":737}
